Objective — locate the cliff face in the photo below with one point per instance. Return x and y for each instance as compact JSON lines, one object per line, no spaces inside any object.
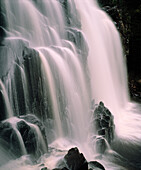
{"x":127,"y":15}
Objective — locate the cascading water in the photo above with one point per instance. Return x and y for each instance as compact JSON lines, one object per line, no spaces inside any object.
{"x":9,"y":110}
{"x":61,"y":55}
{"x":105,"y":59}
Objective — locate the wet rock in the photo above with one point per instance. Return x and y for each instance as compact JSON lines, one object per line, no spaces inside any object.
{"x":104,"y":127}
{"x":35,"y":121}
{"x":10,"y":138}
{"x":2,"y":34}
{"x":77,"y":37}
{"x":75,"y":160}
{"x":95,"y":165}
{"x":26,"y":136}
{"x":21,"y":71}
{"x":2,"y":107}
{"x":104,"y":122}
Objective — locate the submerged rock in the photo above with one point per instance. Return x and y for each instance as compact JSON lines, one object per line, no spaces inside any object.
{"x":75,"y":160}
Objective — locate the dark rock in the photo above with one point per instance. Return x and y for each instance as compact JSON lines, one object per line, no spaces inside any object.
{"x":102,"y":132}
{"x":2,"y":34}
{"x":104,"y":123}
{"x":27,"y":137}
{"x":45,"y":168}
{"x":76,"y":36}
{"x":21,"y":71}
{"x":104,"y":126}
{"x":9,"y":136}
{"x":34,"y":120}
{"x":2,"y":107}
{"x":95,"y":164}
{"x":75,"y":160}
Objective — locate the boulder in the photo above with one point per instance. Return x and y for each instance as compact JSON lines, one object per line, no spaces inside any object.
{"x":104,"y":127}
{"x":10,"y":138}
{"x":26,"y":134}
{"x":29,"y":137}
{"x":75,"y":160}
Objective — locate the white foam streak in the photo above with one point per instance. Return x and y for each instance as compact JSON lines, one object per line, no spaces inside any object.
{"x":49,"y":25}
{"x":6,"y":100}
{"x":50,"y":82}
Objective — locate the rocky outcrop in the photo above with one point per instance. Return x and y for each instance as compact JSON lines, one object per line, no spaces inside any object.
{"x":32,"y":119}
{"x":21,"y":73}
{"x":104,"y":127}
{"x":24,"y":135}
{"x":75,"y":160}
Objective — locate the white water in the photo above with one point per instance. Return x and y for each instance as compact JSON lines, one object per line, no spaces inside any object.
{"x":9,"y":110}
{"x":63,"y":72}
{"x":49,"y":30}
{"x":74,"y":90}
{"x":26,"y":21}
{"x":108,"y":70}
{"x":105,"y":60}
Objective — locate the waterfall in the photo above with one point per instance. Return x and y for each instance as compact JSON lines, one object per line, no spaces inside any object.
{"x":9,"y":111}
{"x":105,"y":60}
{"x":49,"y":37}
{"x":60,"y":58}
{"x":107,"y":67}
